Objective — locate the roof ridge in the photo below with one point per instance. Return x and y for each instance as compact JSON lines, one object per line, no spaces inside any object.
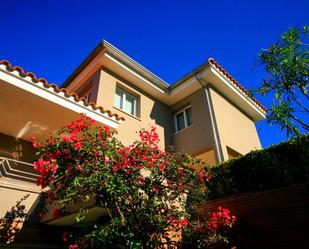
{"x":56,"y":89}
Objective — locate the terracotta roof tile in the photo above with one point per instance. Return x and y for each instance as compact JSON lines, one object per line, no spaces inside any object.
{"x":56,"y":89}
{"x":235,"y":82}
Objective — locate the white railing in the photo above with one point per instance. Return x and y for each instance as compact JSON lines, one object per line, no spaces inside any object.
{"x":11,"y":168}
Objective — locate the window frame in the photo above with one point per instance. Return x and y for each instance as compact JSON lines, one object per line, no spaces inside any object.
{"x":183,"y":111}
{"x":125,"y":93}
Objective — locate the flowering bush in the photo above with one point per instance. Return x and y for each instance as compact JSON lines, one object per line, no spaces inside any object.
{"x":143,"y":188}
{"x":220,"y":219}
{"x":214,"y":231}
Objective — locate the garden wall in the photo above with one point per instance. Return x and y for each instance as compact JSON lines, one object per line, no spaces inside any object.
{"x":273,"y":219}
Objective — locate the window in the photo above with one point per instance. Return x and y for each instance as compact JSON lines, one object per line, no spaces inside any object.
{"x":183,"y":119}
{"x":125,"y":101}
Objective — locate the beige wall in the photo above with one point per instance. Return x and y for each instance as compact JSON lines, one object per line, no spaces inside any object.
{"x":208,"y":156}
{"x":12,"y":195}
{"x":12,"y":190}
{"x":198,"y":138}
{"x":235,"y":129}
{"x":152,"y":112}
{"x":15,"y":148}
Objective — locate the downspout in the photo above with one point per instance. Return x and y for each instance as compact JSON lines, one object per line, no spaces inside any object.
{"x":212,"y":119}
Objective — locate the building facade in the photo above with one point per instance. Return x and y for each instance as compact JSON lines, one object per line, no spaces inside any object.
{"x":206,"y":113}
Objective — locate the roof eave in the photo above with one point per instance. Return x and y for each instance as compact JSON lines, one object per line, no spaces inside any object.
{"x":135,"y":65}
{"x":84,"y":63}
{"x":50,"y":88}
{"x":112,"y":50}
{"x":195,"y":71}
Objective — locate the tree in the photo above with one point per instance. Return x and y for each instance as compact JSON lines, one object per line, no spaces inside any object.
{"x":286,"y":63}
{"x":143,"y":188}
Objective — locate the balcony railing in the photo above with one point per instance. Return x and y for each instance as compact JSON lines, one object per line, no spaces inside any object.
{"x":18,"y":170}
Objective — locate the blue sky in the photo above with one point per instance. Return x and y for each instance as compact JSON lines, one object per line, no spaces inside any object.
{"x":170,"y":38}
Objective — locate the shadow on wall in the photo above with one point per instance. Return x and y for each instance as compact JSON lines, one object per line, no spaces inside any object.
{"x":13,"y":221}
{"x":163,"y":117}
{"x":15,"y":148}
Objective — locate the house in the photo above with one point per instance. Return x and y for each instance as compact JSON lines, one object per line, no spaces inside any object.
{"x":206,"y":113}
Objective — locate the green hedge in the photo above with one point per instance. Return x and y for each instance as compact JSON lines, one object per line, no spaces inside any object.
{"x":279,"y":165}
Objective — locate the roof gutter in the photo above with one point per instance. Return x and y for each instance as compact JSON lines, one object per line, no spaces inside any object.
{"x":213,"y":122}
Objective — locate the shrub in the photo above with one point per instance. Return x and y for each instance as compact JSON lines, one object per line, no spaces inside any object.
{"x":143,"y":188}
{"x":279,"y":165}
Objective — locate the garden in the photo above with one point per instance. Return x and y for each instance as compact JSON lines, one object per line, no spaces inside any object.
{"x":150,"y":195}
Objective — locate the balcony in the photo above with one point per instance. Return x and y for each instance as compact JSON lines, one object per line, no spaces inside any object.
{"x":17,"y":170}
{"x":32,"y":107}
{"x":17,"y":180}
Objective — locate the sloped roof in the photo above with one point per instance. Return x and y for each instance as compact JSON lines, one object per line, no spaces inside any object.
{"x":104,"y":45}
{"x":56,"y":89}
{"x":235,"y":82}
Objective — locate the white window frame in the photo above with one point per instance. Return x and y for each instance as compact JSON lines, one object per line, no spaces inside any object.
{"x":124,"y":93}
{"x":185,"y":118}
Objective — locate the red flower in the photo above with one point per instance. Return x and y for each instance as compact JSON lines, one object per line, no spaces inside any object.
{"x":65,"y":237}
{"x":220,"y":219}
{"x":73,"y":246}
{"x":180,"y":170}
{"x":184,"y":222}
{"x":70,"y":171}
{"x":208,"y":177}
{"x":51,"y":195}
{"x":162,"y":166}
{"x":79,"y":167}
{"x":201,"y":176}
{"x":78,"y":145}
{"x":84,"y":242}
{"x":140,"y":180}
{"x":41,"y":214}
{"x":57,"y":213}
{"x":53,"y":167}
{"x":155,"y":189}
